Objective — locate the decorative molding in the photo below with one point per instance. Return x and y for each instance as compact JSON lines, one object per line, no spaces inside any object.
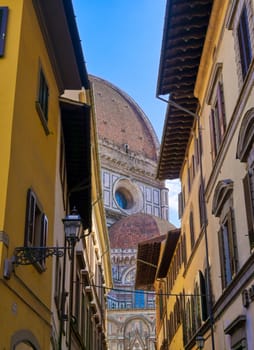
{"x":212,"y":82}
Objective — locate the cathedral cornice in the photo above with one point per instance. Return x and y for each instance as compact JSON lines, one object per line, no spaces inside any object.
{"x":115,"y":157}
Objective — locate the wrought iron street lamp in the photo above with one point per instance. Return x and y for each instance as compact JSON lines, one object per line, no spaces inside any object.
{"x":200,"y":342}
{"x":31,"y":255}
{"x":72,"y":226}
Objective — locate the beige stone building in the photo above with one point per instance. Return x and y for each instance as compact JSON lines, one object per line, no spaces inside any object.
{"x":136,"y":206}
{"x":206,"y":291}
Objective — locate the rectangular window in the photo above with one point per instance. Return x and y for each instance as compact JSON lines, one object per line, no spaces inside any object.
{"x":227,"y":246}
{"x":243,"y":35}
{"x":3,"y":26}
{"x":248,"y":184}
{"x":36,"y":225}
{"x":42,"y":100}
{"x":217,"y":122}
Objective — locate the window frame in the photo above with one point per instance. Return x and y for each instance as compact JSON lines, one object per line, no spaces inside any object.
{"x":248,"y":186}
{"x":244,"y":42}
{"x":222,"y":208}
{"x":217,"y":120}
{"x":42,"y":101}
{"x":36,"y":226}
{"x":4,"y":11}
{"x":235,"y":13}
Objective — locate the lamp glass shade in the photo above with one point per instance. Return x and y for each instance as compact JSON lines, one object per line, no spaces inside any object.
{"x":72,"y":225}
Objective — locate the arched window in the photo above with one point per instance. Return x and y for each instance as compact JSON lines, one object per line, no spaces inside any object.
{"x":245,"y":152}
{"x":24,"y":340}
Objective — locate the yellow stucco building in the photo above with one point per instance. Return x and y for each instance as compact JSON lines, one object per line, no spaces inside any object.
{"x":205,"y":288}
{"x":47,"y":164}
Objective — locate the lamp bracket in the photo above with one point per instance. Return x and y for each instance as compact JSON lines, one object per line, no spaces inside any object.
{"x":32,"y":255}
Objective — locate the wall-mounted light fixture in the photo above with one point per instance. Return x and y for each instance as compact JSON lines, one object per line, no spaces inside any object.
{"x":26,"y":255}
{"x":200,"y":342}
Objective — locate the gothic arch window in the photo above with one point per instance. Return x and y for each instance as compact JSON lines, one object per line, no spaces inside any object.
{"x":245,"y":152}
{"x":129,"y":276}
{"x":222,"y":207}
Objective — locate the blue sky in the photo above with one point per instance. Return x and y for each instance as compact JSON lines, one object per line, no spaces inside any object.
{"x":121,"y":41}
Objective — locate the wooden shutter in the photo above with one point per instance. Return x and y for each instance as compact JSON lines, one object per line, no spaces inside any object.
{"x":180,"y":205}
{"x":192,"y":233}
{"x":221,"y":110}
{"x":212,"y":135}
{"x":203,"y":301}
{"x":232,"y":241}
{"x":30,"y":218}
{"x":44,"y":230}
{"x":222,"y":258}
{"x":3,"y":26}
{"x":244,"y":41}
{"x":249,"y":208}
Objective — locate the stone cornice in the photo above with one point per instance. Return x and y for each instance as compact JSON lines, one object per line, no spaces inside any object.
{"x":114,"y":157}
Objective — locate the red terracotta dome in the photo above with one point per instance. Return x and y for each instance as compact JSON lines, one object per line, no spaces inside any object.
{"x":136,"y":228}
{"x":121,"y":120}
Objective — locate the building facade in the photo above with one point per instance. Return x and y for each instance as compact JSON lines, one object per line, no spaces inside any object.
{"x":136,"y":206}
{"x":205,"y":294}
{"x":47,"y":163}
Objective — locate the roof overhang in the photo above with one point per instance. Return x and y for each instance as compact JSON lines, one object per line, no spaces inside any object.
{"x":59,"y":28}
{"x":152,"y":262}
{"x":168,"y":252}
{"x":184,"y":33}
{"x":76,"y":131}
{"x":147,"y":260}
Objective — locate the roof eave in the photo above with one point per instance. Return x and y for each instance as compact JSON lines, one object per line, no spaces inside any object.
{"x":59,"y":29}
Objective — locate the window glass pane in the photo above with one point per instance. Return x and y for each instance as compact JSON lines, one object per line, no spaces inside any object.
{"x":3,"y":25}
{"x":121,"y":200}
{"x":244,"y":42}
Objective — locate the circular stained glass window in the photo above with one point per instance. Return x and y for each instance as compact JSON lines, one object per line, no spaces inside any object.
{"x":121,"y":199}
{"x":128,"y":196}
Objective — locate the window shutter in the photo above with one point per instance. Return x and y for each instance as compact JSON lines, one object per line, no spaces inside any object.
{"x":184,"y":253}
{"x":244,"y":41}
{"x":203,"y":301}
{"x":221,"y":109}
{"x":196,"y":152}
{"x":212,"y":135}
{"x":30,"y":218}
{"x":232,"y":241}
{"x":222,"y":258}
{"x":249,"y":208}
{"x":44,"y":230}
{"x":192,"y":233}
{"x":180,"y":205}
{"x":3,"y":26}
